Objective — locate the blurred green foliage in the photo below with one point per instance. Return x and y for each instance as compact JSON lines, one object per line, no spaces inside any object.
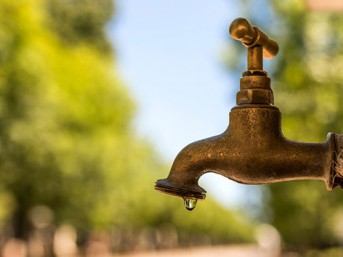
{"x":66,"y":138}
{"x":65,"y":118}
{"x":308,"y":89}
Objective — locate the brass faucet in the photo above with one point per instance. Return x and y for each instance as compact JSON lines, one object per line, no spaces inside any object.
{"x":253,"y":149}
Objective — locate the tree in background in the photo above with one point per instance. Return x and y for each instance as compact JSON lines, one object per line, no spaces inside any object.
{"x":65,"y":117}
{"x":308,"y":89}
{"x":68,"y":151}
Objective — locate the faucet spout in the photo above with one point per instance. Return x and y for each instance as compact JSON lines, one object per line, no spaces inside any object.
{"x":253,"y":149}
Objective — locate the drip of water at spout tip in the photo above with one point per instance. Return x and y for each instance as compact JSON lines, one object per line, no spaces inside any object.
{"x":190,"y":203}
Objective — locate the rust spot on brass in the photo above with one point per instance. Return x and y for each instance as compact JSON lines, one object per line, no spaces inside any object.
{"x":253,"y":149}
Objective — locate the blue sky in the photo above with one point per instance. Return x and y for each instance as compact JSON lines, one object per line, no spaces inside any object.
{"x":170,"y":55}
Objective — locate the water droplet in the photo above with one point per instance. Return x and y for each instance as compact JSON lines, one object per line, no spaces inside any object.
{"x":190,"y":203}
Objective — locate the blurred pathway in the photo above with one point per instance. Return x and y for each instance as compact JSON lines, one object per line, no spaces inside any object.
{"x":218,"y":251}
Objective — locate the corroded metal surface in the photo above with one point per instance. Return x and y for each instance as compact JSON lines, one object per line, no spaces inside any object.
{"x":253,"y":149}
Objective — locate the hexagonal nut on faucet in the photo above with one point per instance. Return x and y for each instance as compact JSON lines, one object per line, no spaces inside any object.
{"x":255,"y":96}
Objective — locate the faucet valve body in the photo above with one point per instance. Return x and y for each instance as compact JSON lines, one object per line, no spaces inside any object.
{"x":253,"y":149}
{"x":255,"y":84}
{"x":255,"y":89}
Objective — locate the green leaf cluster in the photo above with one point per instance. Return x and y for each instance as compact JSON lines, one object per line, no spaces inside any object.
{"x":66,"y":135}
{"x":309,"y":92}
{"x":65,"y":117}
{"x":308,"y":89}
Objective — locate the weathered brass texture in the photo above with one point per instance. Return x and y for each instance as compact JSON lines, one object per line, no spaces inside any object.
{"x":253,"y":149}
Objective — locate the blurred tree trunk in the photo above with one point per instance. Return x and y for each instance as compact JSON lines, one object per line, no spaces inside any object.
{"x":20,"y":224}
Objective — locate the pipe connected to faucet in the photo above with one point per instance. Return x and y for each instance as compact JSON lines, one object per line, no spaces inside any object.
{"x":253,"y":149}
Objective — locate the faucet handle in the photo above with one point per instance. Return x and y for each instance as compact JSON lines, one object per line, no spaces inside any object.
{"x":255,"y":84}
{"x":251,"y":36}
